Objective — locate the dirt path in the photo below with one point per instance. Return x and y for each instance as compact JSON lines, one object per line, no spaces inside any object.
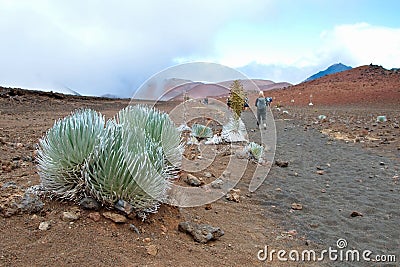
{"x":332,"y":179}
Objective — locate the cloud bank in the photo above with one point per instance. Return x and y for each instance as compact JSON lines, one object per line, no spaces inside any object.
{"x":112,"y":47}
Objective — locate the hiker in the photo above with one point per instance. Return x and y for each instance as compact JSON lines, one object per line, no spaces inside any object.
{"x":269,"y":101}
{"x":246,"y":103}
{"x":261,"y":104}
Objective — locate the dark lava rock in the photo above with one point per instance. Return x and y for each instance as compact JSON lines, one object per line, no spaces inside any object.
{"x":124,"y":206}
{"x":356,"y":214}
{"x":282,"y":164}
{"x":30,"y":203}
{"x":201,"y":233}
{"x":89,"y":203}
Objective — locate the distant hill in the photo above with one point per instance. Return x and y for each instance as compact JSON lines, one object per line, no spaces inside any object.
{"x":369,"y":84}
{"x":335,"y":68}
{"x":198,"y":90}
{"x":110,"y":96}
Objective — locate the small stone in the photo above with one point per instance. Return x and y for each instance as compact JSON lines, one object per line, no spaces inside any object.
{"x":115,"y":217}
{"x":208,"y":174}
{"x":321,"y":172}
{"x":208,"y":207}
{"x":292,"y":232}
{"x":89,"y":203}
{"x":217,"y":184}
{"x":278,"y":189}
{"x":147,"y":240}
{"x":124,"y":206}
{"x":193,"y":180}
{"x":30,"y":203}
{"x":233,"y":195}
{"x":201,"y":233}
{"x":382,"y":163}
{"x":134,"y":228}
{"x":320,"y":168}
{"x":323,"y":190}
{"x":44,"y":226}
{"x":95,"y":216}
{"x":297,"y":206}
{"x":152,"y":250}
{"x":70,"y":216}
{"x":282,"y":164}
{"x":356,"y":214}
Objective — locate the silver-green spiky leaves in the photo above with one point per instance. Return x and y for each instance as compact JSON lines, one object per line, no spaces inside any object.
{"x":63,"y":151}
{"x":255,"y":150}
{"x":158,"y":128}
{"x":234,"y":131}
{"x":129,"y":160}
{"x":201,"y":131}
{"x":123,"y":168}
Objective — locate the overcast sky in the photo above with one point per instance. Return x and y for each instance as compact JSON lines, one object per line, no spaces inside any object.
{"x":100,"y":47}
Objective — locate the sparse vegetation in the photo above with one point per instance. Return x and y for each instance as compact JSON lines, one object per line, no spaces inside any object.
{"x":234,"y":131}
{"x":201,"y":131}
{"x":130,"y":159}
{"x":255,"y":150}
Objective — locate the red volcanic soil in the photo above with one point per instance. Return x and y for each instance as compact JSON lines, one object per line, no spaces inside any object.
{"x":345,"y":163}
{"x":372,"y":85}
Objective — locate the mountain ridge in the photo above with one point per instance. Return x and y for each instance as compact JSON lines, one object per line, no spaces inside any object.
{"x":335,"y":68}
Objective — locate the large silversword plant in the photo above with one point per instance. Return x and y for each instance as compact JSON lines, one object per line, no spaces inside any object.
{"x":137,"y":156}
{"x":131,"y":159}
{"x":63,"y":151}
{"x":121,"y":168}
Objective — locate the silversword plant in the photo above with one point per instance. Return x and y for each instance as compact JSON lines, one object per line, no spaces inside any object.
{"x":63,"y":151}
{"x":130,"y":158}
{"x":201,"y":131}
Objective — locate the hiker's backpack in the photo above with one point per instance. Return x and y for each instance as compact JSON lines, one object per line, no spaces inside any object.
{"x":261,"y":102}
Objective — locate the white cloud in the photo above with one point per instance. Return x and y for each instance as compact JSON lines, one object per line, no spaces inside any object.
{"x":362,"y":44}
{"x":98,"y":47}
